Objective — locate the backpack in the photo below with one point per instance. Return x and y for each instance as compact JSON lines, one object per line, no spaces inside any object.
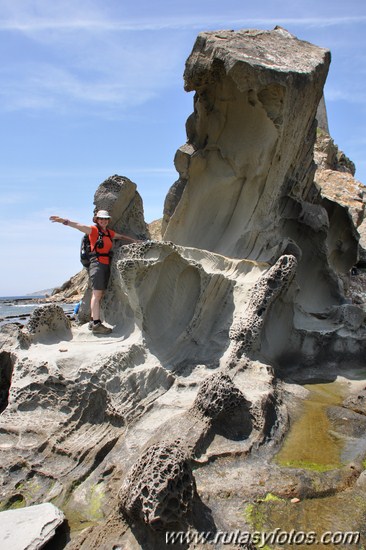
{"x":86,"y":252}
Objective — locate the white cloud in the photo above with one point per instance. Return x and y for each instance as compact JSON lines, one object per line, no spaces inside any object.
{"x":48,"y":87}
{"x":83,"y":55}
{"x":92,"y":16}
{"x":97,"y":20}
{"x":80,"y":70}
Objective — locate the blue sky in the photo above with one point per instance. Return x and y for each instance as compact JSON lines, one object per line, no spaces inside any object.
{"x":92,"y":88}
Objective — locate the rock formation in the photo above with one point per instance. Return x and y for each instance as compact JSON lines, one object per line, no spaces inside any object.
{"x":118,"y":195}
{"x":246,"y":186}
{"x":160,"y":488}
{"x":72,"y":290}
{"x":344,"y":199}
{"x":148,"y":429}
{"x":48,"y":320}
{"x":245,"y":155}
{"x":30,"y":528}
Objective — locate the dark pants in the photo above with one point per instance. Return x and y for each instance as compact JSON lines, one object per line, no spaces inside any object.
{"x":99,"y":275}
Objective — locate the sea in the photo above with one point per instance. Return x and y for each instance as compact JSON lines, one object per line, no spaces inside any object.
{"x":17,"y":309}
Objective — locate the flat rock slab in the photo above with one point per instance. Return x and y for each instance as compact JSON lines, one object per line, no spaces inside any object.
{"x":29,"y":528}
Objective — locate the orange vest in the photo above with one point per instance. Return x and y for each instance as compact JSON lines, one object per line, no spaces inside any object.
{"x":107,"y":243}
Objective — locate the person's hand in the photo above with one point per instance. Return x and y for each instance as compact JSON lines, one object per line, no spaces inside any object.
{"x":57,"y":219}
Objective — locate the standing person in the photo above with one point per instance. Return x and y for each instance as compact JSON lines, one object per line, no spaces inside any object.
{"x":99,"y":270}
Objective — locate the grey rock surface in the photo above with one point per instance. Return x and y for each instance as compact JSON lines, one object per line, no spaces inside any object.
{"x":246,"y":186}
{"x":119,"y":196}
{"x":160,"y":488}
{"x":245,"y":139}
{"x":344,"y":198}
{"x":29,"y":528}
{"x":48,"y":322}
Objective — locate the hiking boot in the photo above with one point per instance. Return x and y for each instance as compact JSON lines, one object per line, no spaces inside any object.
{"x":90,"y":325}
{"x":99,"y":328}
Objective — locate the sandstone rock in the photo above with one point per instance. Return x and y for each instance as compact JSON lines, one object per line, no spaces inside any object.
{"x":246,"y":186}
{"x":362,"y":244}
{"x":357,"y":287}
{"x":160,"y":487}
{"x":244,"y":140}
{"x":349,"y":316}
{"x":72,"y":290}
{"x":342,"y":240}
{"x":181,"y":162}
{"x":327,"y":155}
{"x":357,"y":402}
{"x":29,"y":528}
{"x":344,"y":199}
{"x":119,"y":196}
{"x":217,"y":395}
{"x":348,"y":423}
{"x":12,"y":336}
{"x":361,"y":482}
{"x":155,"y":230}
{"x":6,"y":371}
{"x":267,"y":289}
{"x":322,"y":116}
{"x":47,"y":324}
{"x":344,"y":189}
{"x":173,"y":295}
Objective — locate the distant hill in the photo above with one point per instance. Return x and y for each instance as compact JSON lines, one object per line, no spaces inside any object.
{"x":46,"y":292}
{"x":155,"y":229}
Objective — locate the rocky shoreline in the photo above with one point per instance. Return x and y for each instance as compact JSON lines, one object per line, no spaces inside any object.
{"x":23,"y":317}
{"x":67,"y":295}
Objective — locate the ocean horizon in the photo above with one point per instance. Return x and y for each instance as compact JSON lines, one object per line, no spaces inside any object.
{"x":23,"y":297}
{"x":19,"y":308}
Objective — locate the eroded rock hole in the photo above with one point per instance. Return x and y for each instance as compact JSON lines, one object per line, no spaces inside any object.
{"x":6,"y":372}
{"x":15,"y":501}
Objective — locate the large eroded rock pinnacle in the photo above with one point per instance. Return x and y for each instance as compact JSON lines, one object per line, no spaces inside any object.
{"x":246,"y":186}
{"x":256,"y":96}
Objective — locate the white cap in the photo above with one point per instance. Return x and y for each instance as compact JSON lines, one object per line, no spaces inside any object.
{"x":102,"y":214}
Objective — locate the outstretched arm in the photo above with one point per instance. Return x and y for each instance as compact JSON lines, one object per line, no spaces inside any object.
{"x":75,"y":225}
{"x":122,"y":236}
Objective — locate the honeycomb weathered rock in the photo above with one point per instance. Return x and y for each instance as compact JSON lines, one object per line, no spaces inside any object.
{"x":216,"y":395}
{"x":13,"y":336}
{"x":48,"y":320}
{"x":160,"y":487}
{"x":247,"y":330}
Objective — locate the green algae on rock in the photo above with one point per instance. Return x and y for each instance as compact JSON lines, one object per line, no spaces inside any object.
{"x":309,"y":443}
